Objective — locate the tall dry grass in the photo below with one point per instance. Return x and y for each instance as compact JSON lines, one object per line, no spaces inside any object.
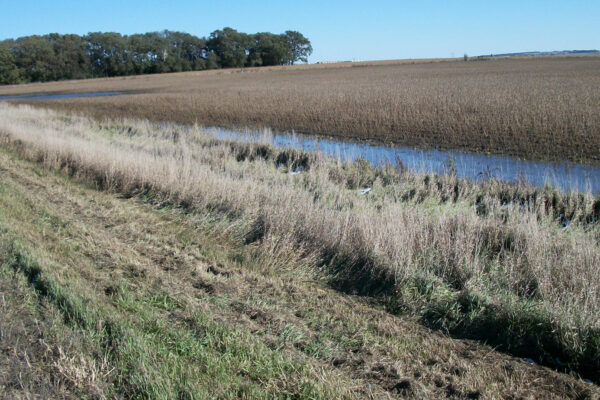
{"x":451,"y":250}
{"x":533,"y":108}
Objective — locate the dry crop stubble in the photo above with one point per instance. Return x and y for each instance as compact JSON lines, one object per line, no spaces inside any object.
{"x":533,"y":108}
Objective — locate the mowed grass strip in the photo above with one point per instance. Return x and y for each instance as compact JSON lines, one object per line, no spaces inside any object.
{"x":170,"y":303}
{"x":543,"y":108}
{"x":146,"y":344}
{"x":40,"y":355}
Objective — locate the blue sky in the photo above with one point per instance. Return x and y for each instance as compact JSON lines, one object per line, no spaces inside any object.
{"x":338,"y":30}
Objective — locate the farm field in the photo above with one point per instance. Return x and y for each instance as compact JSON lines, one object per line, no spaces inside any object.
{"x":143,"y":263}
{"x":534,"y":108}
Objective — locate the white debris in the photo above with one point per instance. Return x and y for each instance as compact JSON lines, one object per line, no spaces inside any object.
{"x":296,"y":170}
{"x":365,"y":191}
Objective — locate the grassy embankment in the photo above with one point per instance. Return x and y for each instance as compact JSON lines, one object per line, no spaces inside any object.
{"x":545,"y":108}
{"x":218,"y":283}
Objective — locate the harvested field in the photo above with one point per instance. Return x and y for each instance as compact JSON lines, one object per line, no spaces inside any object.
{"x":544,"y":108}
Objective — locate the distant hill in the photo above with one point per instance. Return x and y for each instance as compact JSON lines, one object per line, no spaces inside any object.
{"x":544,"y":53}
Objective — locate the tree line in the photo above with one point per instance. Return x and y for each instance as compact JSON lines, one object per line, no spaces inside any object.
{"x":55,"y":56}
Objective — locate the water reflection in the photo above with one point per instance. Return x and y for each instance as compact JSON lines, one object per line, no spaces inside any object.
{"x":49,"y":96}
{"x":565,"y":176}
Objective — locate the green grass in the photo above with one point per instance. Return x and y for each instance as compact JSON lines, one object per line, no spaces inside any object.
{"x":149,"y":354}
{"x":150,"y":357}
{"x":182,"y":300}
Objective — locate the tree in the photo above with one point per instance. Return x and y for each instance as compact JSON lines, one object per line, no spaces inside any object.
{"x":212,"y":60}
{"x":230,"y":46}
{"x":71,"y":56}
{"x":56,"y":56}
{"x":9,"y":73}
{"x":148,"y":52}
{"x":268,"y":49}
{"x":34,"y":56}
{"x":299,"y":46}
{"x":109,"y":54}
{"x":188,"y":49}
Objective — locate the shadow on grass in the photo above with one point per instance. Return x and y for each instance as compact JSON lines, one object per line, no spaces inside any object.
{"x":523,"y":330}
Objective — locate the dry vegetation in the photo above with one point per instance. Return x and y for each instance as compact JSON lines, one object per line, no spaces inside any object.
{"x":485,"y":261}
{"x":534,"y":108}
{"x":107,"y":297}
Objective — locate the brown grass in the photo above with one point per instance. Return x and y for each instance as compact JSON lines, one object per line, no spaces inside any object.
{"x":534,"y":108}
{"x":166,"y":267}
{"x":446,"y":248}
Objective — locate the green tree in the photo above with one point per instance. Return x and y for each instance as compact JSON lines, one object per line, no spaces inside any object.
{"x":230,"y":46}
{"x":34,"y":56}
{"x":299,"y":46}
{"x":71,"y":56}
{"x":268,"y":49}
{"x":189,"y":50}
{"x":55,"y":56}
{"x":109,"y":54}
{"x":212,"y":60}
{"x":9,"y":73}
{"x":148,"y":52}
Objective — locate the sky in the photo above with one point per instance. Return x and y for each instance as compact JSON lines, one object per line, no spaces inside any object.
{"x":338,"y":30}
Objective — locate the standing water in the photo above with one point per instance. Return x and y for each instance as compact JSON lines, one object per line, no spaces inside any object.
{"x":564,"y":175}
{"x":51,"y":96}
